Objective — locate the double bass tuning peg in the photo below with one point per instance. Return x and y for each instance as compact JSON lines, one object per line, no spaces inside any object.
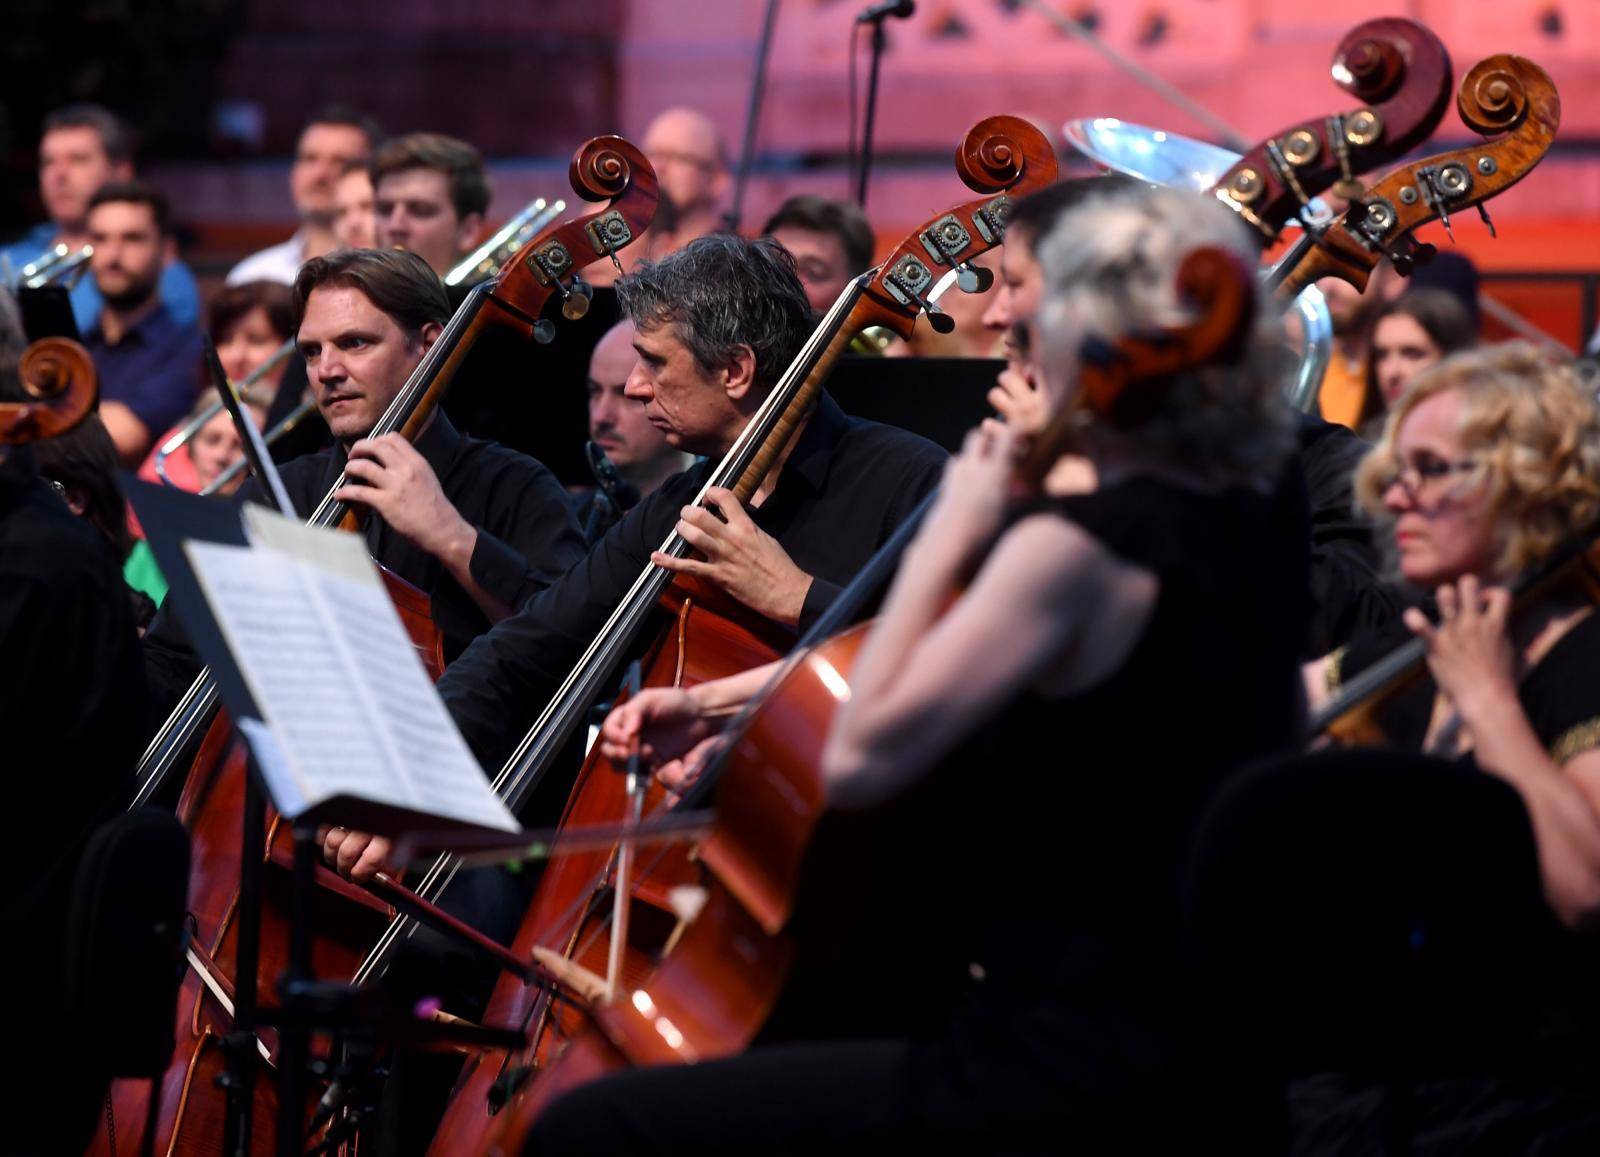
{"x":974,"y":278}
{"x":575,"y":298}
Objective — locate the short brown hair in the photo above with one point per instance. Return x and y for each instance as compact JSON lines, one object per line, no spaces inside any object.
{"x":842,"y":219}
{"x":233,"y":302}
{"x":397,"y":282}
{"x":458,"y":161}
{"x":136,"y":193}
{"x":116,"y":137}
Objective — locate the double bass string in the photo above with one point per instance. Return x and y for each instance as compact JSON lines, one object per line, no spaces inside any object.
{"x":869,"y":581}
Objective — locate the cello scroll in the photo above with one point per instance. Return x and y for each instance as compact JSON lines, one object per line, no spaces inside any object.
{"x":1220,"y":290}
{"x":606,"y":168}
{"x":60,"y":375}
{"x":1002,"y":157}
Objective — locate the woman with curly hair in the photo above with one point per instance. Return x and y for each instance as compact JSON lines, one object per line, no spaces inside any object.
{"x":1039,"y":693}
{"x":1487,"y":465}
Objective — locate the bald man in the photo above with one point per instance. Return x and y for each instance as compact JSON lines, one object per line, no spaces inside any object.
{"x":691,"y":162}
{"x":617,"y":425}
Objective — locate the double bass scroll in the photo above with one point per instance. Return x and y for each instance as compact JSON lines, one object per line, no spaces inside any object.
{"x":1401,"y":71}
{"x":1502,"y":94}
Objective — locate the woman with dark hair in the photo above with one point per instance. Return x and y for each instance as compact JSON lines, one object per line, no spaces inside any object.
{"x":249,"y":324}
{"x":1416,"y":330}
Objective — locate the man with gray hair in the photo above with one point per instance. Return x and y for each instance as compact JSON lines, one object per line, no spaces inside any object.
{"x":717,"y":324}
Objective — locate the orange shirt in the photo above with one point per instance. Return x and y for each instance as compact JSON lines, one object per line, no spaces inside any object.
{"x":1343,"y":395}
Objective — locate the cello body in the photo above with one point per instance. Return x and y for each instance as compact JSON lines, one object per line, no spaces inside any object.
{"x":708,"y":636}
{"x":189,"y":1115}
{"x":698,"y":979}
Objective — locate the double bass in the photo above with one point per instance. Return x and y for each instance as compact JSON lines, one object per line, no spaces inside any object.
{"x":708,"y":636}
{"x":187,"y":1112}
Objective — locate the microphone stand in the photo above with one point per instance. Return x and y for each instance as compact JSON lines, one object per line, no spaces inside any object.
{"x":879,"y":43}
{"x":752,"y":118}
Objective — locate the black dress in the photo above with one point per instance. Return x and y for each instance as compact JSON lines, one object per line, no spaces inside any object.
{"x":1072,"y":815}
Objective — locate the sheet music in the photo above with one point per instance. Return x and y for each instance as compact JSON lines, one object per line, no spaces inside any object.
{"x":330,"y":666}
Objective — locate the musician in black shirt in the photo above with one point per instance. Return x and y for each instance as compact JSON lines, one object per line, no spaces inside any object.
{"x":717,"y":323}
{"x":477,"y":527}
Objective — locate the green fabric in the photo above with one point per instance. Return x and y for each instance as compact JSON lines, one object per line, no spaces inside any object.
{"x":142,"y":574}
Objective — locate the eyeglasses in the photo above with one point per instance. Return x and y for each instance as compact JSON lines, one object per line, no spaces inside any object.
{"x":1427,"y":476}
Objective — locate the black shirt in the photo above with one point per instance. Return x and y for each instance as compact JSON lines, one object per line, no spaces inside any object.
{"x":527,"y":537}
{"x":842,"y":492}
{"x":1348,"y":594}
{"x":72,"y":697}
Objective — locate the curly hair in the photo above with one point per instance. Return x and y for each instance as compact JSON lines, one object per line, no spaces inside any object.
{"x":1110,"y":266}
{"x":1534,"y":430}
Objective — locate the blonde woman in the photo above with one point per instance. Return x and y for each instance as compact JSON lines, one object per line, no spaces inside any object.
{"x":1488,"y":464}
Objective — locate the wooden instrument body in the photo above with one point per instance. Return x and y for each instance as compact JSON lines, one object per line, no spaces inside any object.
{"x":709,"y":636}
{"x":347,"y":920}
{"x":685,"y":997}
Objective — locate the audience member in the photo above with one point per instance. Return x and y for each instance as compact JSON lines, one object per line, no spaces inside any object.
{"x":1344,"y":385}
{"x":148,"y":361}
{"x":691,"y":162}
{"x":830,"y":241}
{"x":353,"y":222}
{"x":636,"y":452}
{"x":429,"y":195}
{"x":249,"y":325}
{"x":83,"y":147}
{"x":332,"y":141}
{"x":1409,"y":334}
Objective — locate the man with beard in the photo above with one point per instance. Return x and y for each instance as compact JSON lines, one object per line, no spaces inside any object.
{"x":148,"y":360}
{"x":82,"y":147}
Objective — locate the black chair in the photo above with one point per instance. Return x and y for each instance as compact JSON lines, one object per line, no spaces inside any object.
{"x":124,"y":943}
{"x":1367,"y":913}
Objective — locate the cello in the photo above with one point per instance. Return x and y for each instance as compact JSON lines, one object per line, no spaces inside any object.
{"x":709,"y":636}
{"x":186,"y":1113}
{"x":60,"y":376}
{"x":703,"y":993}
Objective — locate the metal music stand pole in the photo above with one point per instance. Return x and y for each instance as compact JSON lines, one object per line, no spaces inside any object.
{"x":239,"y":1078}
{"x":879,"y":43}
{"x":294,"y":1031}
{"x":752,"y":118}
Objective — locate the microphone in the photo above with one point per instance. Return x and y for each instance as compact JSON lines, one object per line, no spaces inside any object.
{"x":897,"y":9}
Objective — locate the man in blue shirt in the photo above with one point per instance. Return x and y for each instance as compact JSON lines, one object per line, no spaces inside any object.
{"x":148,"y":360}
{"x":83,"y":147}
